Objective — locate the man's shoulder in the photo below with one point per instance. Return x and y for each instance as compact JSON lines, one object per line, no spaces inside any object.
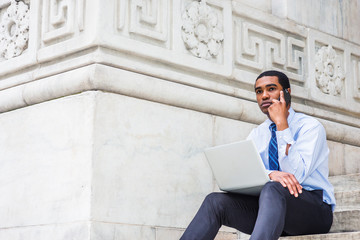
{"x":306,"y":121}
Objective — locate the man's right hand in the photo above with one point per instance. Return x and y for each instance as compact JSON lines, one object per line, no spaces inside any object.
{"x":287,"y":180}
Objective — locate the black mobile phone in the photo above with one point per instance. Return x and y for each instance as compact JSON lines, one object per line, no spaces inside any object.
{"x":287,"y":96}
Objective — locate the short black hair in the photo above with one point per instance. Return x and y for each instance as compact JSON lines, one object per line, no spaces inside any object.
{"x":283,"y":79}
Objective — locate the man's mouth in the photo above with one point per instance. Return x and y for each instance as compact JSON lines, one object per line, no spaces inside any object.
{"x":266,"y":104}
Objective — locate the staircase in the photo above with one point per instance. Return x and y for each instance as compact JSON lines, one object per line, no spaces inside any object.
{"x":346,"y":225}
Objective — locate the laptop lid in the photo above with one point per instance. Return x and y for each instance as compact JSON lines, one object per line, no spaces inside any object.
{"x":237,"y":167}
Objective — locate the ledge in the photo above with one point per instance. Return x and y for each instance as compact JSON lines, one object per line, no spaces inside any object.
{"x":110,"y":79}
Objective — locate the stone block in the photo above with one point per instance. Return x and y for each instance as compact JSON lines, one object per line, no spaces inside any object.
{"x":352,"y":159}
{"x":346,"y":221}
{"x":149,"y":166}
{"x":175,"y":234}
{"x":75,"y":230}
{"x":45,"y":163}
{"x":226,"y":236}
{"x":346,"y":200}
{"x":228,"y":130}
{"x":346,"y":183}
{"x":261,"y":4}
{"x":329,"y":236}
{"x":105,"y":231}
{"x":336,"y":158}
{"x":168,"y":233}
{"x":339,"y":16}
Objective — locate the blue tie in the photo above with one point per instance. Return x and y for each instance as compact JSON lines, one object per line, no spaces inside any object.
{"x":273,"y":150}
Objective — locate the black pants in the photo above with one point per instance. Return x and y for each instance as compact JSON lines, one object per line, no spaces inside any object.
{"x":276,"y":212}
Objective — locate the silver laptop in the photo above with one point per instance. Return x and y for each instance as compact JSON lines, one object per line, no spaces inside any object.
{"x":237,"y":167}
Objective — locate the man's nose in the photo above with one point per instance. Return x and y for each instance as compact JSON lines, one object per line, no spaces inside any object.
{"x":265,"y":95}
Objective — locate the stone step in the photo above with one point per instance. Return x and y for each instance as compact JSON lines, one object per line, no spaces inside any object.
{"x":346,"y":223}
{"x":328,"y":236}
{"x":348,"y":199}
{"x":346,"y":183}
{"x":346,"y":220}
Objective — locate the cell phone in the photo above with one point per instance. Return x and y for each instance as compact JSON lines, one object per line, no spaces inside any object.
{"x":287,"y":97}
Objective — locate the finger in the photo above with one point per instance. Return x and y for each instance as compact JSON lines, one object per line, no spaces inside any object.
{"x":292,"y":186}
{"x":300,"y":189}
{"x":297,"y":184}
{"x":282,"y":99}
{"x":283,"y":183}
{"x":292,"y":189}
{"x":289,"y":187}
{"x":275,"y":100}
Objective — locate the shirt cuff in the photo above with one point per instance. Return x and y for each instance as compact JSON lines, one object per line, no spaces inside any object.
{"x":268,"y":172}
{"x":284,"y":137}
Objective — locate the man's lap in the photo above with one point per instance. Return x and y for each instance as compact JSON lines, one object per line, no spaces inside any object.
{"x":304,"y":215}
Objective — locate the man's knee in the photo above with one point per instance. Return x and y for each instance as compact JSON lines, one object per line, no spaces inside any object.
{"x":215,"y":198}
{"x":273,"y":189}
{"x":217,"y":201}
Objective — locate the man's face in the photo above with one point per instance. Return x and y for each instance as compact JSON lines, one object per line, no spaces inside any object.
{"x":267,"y":88}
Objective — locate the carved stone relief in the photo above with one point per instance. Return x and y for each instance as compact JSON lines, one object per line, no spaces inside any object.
{"x":61,"y":19}
{"x":149,"y":19}
{"x":201,"y":30}
{"x":264,"y":48}
{"x":14,"y":30}
{"x":328,"y":71}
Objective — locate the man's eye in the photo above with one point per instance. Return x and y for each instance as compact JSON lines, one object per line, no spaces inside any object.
{"x":258,"y":91}
{"x":271,"y":89}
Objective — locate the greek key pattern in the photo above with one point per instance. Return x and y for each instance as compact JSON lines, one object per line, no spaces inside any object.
{"x":121,"y":7}
{"x":147,"y":18}
{"x":62,"y":18}
{"x":261,"y":48}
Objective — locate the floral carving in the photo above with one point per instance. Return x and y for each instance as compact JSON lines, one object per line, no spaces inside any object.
{"x":328,"y":71}
{"x":14,"y":30}
{"x":201,"y":30}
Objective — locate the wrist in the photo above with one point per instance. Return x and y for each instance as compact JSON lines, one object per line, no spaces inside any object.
{"x":281,"y":126}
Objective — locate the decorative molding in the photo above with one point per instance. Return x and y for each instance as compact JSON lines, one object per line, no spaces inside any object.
{"x":61,"y":18}
{"x":121,"y":7}
{"x":356,"y":76}
{"x":148,"y":18}
{"x":262,"y":48}
{"x":201,"y":30}
{"x":256,"y":52}
{"x":295,"y":57}
{"x":92,"y":78}
{"x":14,"y":30}
{"x":328,"y":71}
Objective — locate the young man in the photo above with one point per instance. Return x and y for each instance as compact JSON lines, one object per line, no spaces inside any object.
{"x":299,"y":198}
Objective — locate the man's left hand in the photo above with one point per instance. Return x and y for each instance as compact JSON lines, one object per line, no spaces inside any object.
{"x":287,"y":180}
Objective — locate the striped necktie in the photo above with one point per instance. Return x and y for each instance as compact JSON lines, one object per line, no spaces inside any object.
{"x":273,"y":149}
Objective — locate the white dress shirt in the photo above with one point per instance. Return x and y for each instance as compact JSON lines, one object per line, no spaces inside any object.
{"x":307,"y":157}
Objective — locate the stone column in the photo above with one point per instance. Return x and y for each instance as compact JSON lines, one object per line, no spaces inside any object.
{"x":106,"y":106}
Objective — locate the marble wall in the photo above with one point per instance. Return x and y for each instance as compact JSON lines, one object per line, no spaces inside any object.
{"x":46,"y":170}
{"x":106,"y":106}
